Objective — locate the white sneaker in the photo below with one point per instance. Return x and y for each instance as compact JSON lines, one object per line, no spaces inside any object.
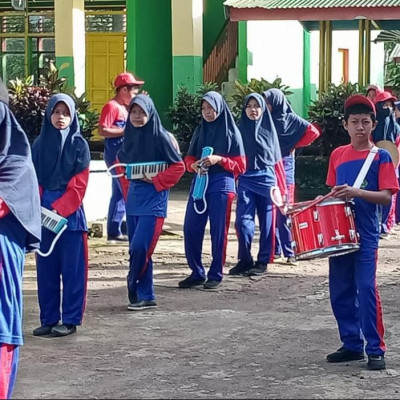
{"x":292,"y":261}
{"x":278,"y":259}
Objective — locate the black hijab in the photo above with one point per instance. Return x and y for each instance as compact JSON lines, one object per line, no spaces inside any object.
{"x":59,"y":154}
{"x":222,"y":134}
{"x":150,"y":142}
{"x":18,"y":182}
{"x":259,"y":137}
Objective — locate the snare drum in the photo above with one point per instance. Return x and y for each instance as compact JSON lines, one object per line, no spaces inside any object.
{"x":338,"y":227}
{"x":322,"y":230}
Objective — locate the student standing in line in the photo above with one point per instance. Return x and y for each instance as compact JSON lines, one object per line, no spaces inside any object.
{"x":217,"y":130}
{"x":397,"y":202}
{"x":20,"y":231}
{"x":387,"y":129}
{"x":264,"y":171}
{"x":372,"y":92}
{"x":111,"y":126}
{"x":293,"y":132}
{"x":353,"y":290}
{"x":61,"y":157}
{"x":146,"y":141}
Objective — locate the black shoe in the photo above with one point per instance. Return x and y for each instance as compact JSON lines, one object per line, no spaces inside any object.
{"x":132,"y":298}
{"x":241,"y":267}
{"x":63,"y":330}
{"x":43,"y":330}
{"x":343,"y":355}
{"x":189,"y":282}
{"x":142,"y":305}
{"x":119,"y":238}
{"x":212,"y":284}
{"x":376,"y":362}
{"x":258,"y":270}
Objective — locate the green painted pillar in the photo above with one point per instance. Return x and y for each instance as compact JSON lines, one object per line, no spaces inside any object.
{"x":243,"y":53}
{"x":306,"y":72}
{"x":70,"y":41}
{"x":149,"y":48}
{"x":187,"y":44}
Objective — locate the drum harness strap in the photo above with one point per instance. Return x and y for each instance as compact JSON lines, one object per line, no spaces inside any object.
{"x":365,"y":167}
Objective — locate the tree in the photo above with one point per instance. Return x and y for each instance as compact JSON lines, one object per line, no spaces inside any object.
{"x":391,"y":40}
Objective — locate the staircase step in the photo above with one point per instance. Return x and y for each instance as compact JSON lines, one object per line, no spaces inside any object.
{"x":233,"y":74}
{"x":228,"y":89}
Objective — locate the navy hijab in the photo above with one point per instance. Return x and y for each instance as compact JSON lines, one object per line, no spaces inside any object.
{"x":222,"y":134}
{"x":59,"y":154}
{"x":289,"y":126}
{"x":18,"y":182}
{"x":260,"y":139}
{"x":387,"y":128}
{"x":150,"y":142}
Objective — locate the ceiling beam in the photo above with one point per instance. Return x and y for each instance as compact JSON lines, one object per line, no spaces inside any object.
{"x":313,"y":14}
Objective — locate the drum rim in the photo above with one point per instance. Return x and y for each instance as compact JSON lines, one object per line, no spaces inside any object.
{"x":323,"y":253}
{"x":329,"y":202}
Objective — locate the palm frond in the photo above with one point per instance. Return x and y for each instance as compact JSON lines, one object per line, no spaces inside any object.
{"x":388,"y":36}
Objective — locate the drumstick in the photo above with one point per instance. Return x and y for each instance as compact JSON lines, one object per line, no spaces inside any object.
{"x":315,"y":202}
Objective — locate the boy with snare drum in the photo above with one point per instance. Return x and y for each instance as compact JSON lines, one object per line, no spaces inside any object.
{"x":354,"y":296}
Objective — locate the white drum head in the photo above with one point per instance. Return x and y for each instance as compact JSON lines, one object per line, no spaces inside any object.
{"x":276,"y":196}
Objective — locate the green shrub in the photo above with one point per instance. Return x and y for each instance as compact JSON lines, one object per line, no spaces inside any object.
{"x":28,"y":102}
{"x":310,"y":177}
{"x":328,"y":112}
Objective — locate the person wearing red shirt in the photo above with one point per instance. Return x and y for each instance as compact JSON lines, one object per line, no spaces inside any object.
{"x":112,"y":126}
{"x":354,"y":295}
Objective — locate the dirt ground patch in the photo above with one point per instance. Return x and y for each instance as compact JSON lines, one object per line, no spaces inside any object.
{"x":252,"y":338}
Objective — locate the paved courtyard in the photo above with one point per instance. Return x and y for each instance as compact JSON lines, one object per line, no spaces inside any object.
{"x":252,"y":338}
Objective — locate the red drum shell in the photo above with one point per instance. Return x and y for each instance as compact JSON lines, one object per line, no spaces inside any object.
{"x":305,"y":227}
{"x":322,"y":230}
{"x":337,"y":223}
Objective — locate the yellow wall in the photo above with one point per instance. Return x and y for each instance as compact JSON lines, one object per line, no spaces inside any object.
{"x":70,"y":39}
{"x":187,"y":27}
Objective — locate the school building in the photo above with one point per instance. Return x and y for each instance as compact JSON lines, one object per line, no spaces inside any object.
{"x":160,"y":41}
{"x":169,"y":43}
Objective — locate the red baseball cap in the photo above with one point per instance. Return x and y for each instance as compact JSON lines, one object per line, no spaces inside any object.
{"x":383,"y":96}
{"x":126,"y":78}
{"x":359,"y":99}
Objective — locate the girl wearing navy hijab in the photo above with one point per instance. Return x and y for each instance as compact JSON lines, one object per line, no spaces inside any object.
{"x":19,"y":232}
{"x":218,"y":130}
{"x":146,"y":141}
{"x":264,"y":170}
{"x":387,"y":129}
{"x":61,"y":157}
{"x":293,"y":132}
